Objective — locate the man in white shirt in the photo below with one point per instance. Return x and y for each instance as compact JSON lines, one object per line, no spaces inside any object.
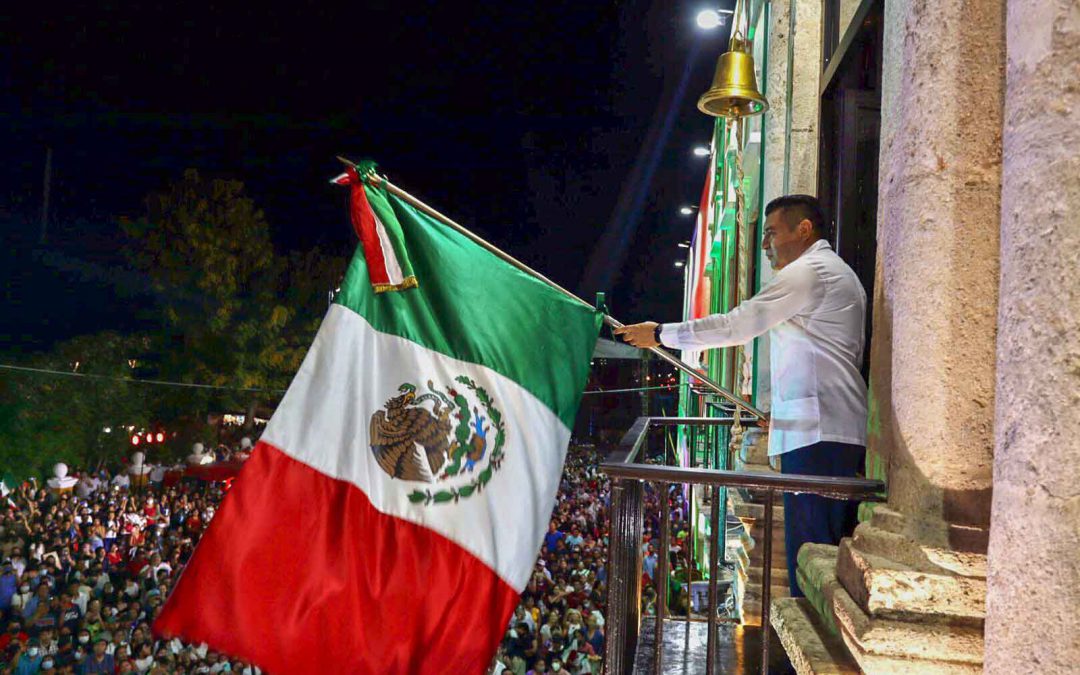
{"x":814,"y":311}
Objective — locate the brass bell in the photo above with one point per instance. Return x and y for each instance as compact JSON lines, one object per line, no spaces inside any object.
{"x":734,"y":91}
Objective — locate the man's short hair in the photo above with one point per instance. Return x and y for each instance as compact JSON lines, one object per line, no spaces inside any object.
{"x":797,"y":208}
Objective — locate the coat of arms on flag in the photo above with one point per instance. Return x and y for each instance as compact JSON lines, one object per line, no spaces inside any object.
{"x":449,"y":440}
{"x":393,"y":509}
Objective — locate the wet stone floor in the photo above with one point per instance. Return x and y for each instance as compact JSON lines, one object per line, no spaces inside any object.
{"x":738,"y":649}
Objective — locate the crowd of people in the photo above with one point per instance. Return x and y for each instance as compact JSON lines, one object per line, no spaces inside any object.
{"x":87,"y":562}
{"x":559,"y":624}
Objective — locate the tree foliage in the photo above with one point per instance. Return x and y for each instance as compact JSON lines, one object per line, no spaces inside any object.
{"x":227,"y":311}
{"x":233,"y":313}
{"x":47,"y":418}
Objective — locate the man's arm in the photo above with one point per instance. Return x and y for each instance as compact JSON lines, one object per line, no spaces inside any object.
{"x":790,"y":292}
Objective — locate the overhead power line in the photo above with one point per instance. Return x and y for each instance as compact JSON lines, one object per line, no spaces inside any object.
{"x":195,"y":385}
{"x":131,"y":380}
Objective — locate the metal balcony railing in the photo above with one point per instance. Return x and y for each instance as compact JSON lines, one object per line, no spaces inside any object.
{"x":625,"y":552}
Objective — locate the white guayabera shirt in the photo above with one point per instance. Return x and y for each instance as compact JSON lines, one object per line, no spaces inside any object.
{"x":815,"y":311}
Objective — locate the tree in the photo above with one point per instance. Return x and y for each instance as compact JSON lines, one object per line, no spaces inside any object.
{"x":232,"y":312}
{"x":229,"y":313}
{"x":46,"y":418}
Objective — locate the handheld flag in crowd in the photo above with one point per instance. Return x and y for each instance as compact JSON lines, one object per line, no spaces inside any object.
{"x":391,"y":513}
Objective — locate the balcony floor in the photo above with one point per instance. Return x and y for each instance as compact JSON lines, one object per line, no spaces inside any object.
{"x":738,"y":653}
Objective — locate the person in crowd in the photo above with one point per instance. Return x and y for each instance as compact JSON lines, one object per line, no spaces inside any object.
{"x":83,"y":575}
{"x":565,"y":594}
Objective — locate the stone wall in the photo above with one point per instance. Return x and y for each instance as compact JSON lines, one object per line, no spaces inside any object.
{"x":804,"y":61}
{"x":1033,"y":622}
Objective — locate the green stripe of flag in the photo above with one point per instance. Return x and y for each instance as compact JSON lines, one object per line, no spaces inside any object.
{"x":473,"y":306}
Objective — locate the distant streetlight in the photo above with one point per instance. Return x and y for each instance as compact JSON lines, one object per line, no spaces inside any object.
{"x":708,"y":19}
{"x":702,"y":151}
{"x":687,"y":210}
{"x":684,"y":244}
{"x":679,"y":263}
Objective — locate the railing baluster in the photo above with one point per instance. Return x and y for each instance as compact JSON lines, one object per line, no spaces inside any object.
{"x":662,"y":575}
{"x":714,"y":571}
{"x":687,"y":551}
{"x":766,"y":581}
{"x":624,"y":577}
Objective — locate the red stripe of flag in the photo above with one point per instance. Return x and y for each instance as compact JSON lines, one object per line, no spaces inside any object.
{"x":299,"y":573}
{"x":363,"y":220}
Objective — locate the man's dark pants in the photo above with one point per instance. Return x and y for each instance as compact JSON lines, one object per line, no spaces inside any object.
{"x":814,"y":519}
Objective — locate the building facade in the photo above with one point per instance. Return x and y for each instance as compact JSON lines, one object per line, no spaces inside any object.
{"x":943,"y":139}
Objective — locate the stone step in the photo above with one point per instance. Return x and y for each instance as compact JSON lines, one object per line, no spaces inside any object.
{"x":918,"y":641}
{"x":888,"y":589}
{"x":882,"y":645}
{"x":816,"y":576}
{"x":967,"y":543}
{"x":778,"y":547}
{"x":779,"y":576}
{"x":812,"y":649}
{"x":872,"y":539}
{"x":753,"y":514}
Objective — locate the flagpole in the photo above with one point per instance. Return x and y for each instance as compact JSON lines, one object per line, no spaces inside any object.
{"x":608,"y":319}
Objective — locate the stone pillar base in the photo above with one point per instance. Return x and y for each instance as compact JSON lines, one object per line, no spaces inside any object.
{"x":893,"y":576}
{"x":899,"y":605}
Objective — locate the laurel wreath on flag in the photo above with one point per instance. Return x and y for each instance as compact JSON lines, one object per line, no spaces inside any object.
{"x":477,"y":485}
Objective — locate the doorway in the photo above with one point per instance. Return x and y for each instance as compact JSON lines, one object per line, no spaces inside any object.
{"x":849,"y":139}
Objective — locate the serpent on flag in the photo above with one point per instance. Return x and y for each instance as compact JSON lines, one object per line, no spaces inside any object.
{"x":392,"y":511}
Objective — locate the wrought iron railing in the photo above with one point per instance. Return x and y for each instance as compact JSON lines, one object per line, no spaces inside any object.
{"x":628,"y":476}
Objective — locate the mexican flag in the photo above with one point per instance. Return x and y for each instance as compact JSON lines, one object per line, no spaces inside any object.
{"x":394,"y":507}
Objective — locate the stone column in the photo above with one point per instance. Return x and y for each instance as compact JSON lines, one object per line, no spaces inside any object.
{"x":1032,"y":620}
{"x":804,"y":79}
{"x":792,"y":79}
{"x":913,"y":577}
{"x":907,"y":592}
{"x":932,"y":361}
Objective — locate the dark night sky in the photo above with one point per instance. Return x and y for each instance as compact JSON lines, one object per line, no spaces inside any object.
{"x":533,"y":123}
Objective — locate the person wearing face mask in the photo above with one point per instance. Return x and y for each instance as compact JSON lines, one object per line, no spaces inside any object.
{"x":30,"y":660}
{"x":23,"y":596}
{"x":572,"y":623}
{"x":38,"y":599}
{"x":82,"y":647}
